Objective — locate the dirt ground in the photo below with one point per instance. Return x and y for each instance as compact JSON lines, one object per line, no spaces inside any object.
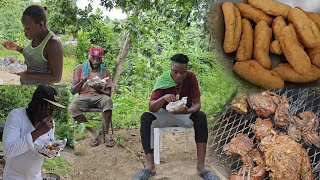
{"x":119,"y":163}
{"x":9,"y":79}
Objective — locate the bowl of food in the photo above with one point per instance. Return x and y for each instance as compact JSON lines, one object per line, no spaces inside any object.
{"x":51,"y":148}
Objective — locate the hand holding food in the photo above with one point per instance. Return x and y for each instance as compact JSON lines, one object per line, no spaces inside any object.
{"x":9,"y":45}
{"x":177,"y":105}
{"x":51,"y":148}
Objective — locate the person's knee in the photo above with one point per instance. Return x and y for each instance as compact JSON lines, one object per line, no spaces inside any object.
{"x":199,"y":117}
{"x":147,"y":118}
{"x":106,"y":102}
{"x":74,"y":110}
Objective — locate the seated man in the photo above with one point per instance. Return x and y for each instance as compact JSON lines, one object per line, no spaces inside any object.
{"x":25,"y":127}
{"x":92,"y":95}
{"x":170,"y":87}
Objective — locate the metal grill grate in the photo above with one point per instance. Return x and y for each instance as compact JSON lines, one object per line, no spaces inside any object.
{"x":230,"y":123}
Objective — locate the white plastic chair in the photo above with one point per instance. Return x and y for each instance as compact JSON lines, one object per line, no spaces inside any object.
{"x":158,"y":139}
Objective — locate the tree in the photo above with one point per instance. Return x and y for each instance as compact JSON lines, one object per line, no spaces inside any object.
{"x":175,"y":13}
{"x":61,"y":14}
{"x":10,"y":18}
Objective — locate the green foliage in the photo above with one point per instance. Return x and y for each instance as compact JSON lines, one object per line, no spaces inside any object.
{"x":57,"y":165}
{"x":10,"y":18}
{"x":102,"y":35}
{"x":68,"y":48}
{"x":61,"y":14}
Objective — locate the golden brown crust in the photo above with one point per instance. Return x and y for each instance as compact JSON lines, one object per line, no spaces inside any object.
{"x":294,"y":54}
{"x":275,"y":48}
{"x":232,"y":19}
{"x":252,"y":13}
{"x":287,"y":73}
{"x":245,"y":49}
{"x":307,"y":30}
{"x":314,"y":17}
{"x":271,"y":7}
{"x":253,"y":72}
{"x":314,"y":55}
{"x":296,"y":38}
{"x":277,"y":25}
{"x":262,"y":38}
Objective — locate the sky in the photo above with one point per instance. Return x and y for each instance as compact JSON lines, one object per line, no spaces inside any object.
{"x":113,"y":14}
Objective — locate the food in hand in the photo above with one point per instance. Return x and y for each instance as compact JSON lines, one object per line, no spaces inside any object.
{"x":253,"y":72}
{"x":271,"y":7}
{"x":252,"y":13}
{"x":287,"y":73}
{"x":294,"y":54}
{"x":232,"y":20}
{"x":244,"y":52}
{"x":262,"y":38}
{"x":52,"y":146}
{"x":177,"y":104}
{"x":308,"y":31}
{"x":96,"y":81}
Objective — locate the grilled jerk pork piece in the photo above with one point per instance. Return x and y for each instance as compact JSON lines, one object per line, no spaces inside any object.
{"x":252,"y":158}
{"x":262,"y":128}
{"x":257,"y":168}
{"x":282,"y":115}
{"x":240,"y":104}
{"x":284,"y":157}
{"x":239,"y":145}
{"x":267,"y":103}
{"x":262,"y":104}
{"x":305,"y":125}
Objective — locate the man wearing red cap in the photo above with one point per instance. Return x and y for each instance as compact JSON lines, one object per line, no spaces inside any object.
{"x":97,"y":95}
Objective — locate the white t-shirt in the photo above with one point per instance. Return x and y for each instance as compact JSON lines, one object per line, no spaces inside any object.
{"x":22,"y":160}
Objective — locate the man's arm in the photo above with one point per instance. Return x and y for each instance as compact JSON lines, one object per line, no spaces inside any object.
{"x":12,"y":46}
{"x":15,"y":144}
{"x":55,"y":63}
{"x":107,"y":91}
{"x":196,"y":106}
{"x":155,"y":105}
{"x":77,"y":85}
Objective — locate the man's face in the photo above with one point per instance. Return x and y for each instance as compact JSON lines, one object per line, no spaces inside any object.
{"x":47,"y":110}
{"x":95,"y":61}
{"x":31,"y":29}
{"x":179,"y":72}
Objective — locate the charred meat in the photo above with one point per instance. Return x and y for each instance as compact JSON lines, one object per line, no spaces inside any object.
{"x":305,"y":125}
{"x":262,"y":128}
{"x":262,"y":104}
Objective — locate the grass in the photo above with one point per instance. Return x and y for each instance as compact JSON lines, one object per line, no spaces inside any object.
{"x":57,"y":165}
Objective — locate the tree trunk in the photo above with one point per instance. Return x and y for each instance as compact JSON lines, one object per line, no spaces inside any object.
{"x":120,"y":61}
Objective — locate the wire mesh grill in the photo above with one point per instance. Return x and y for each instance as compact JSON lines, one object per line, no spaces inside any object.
{"x":230,"y":123}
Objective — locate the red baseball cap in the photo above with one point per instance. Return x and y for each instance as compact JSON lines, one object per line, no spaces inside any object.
{"x":96,"y":51}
